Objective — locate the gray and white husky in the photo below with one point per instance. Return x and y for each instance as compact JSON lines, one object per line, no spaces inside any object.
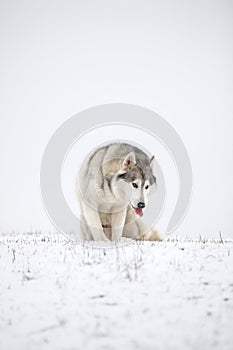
{"x":113,"y":187}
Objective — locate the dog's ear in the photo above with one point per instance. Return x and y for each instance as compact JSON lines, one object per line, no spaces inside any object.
{"x":129,"y":161}
{"x":152,"y":162}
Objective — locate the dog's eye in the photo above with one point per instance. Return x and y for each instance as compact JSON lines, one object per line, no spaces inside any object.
{"x":147,"y":186}
{"x":134,"y":185}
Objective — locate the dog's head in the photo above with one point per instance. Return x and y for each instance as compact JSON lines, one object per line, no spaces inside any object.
{"x":137,"y":181}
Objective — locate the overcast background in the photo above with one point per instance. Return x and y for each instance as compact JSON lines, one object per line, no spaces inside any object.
{"x":174,"y":57}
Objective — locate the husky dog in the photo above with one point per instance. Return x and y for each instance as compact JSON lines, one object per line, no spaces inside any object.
{"x":113,"y":187}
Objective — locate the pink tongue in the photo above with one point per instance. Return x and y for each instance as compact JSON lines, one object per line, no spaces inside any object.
{"x":138,"y":211}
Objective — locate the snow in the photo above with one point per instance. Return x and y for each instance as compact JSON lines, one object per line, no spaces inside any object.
{"x":55,"y":294}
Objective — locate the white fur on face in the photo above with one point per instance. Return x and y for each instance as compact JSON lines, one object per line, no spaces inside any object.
{"x":139,"y":194}
{"x":146,"y":190}
{"x":136,"y":193}
{"x":126,"y":192}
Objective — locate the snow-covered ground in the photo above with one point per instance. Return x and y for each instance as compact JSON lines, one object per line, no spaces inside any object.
{"x":167,"y":295}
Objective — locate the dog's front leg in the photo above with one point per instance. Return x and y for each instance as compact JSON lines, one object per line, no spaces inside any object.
{"x":117,"y":223}
{"x":93,"y":221}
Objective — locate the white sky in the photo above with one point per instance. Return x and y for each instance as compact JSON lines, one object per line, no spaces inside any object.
{"x":174,"y":57}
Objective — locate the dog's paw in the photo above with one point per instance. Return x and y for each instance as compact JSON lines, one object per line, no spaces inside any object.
{"x":152,"y":235}
{"x":102,"y":239}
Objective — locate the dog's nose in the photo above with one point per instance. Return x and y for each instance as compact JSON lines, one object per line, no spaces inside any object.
{"x":141,"y":205}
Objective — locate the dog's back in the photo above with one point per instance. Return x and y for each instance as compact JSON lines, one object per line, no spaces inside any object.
{"x":112,"y":155}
